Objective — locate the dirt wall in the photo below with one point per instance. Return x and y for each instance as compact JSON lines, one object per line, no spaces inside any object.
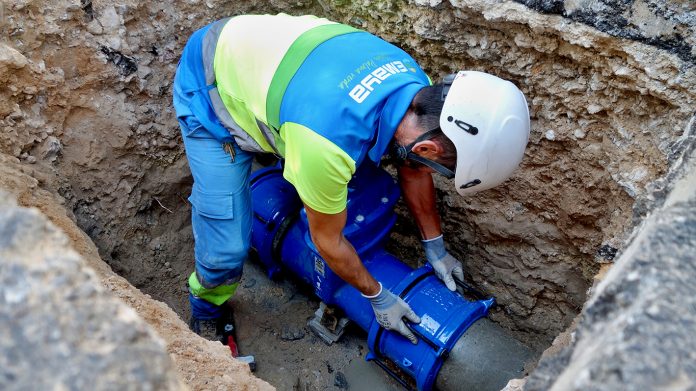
{"x":198,"y":364}
{"x":60,"y":328}
{"x":85,"y":102}
{"x":632,"y":334}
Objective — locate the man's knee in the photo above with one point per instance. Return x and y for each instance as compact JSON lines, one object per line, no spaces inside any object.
{"x":222,"y":263}
{"x":221,"y":232}
{"x":227,"y":259}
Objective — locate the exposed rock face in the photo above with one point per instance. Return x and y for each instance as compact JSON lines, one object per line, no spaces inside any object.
{"x":59,"y":329}
{"x":201,"y":364}
{"x":87,"y":98}
{"x":636,"y":331}
{"x":669,"y":25}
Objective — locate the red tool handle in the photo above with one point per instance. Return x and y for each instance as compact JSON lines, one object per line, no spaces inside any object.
{"x":233,"y":346}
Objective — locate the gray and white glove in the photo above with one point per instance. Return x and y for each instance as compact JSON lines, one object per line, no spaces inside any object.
{"x":445,"y":265}
{"x":389,"y":311}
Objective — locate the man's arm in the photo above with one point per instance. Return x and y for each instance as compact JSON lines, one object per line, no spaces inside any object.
{"x":327,"y":234}
{"x":419,"y":192}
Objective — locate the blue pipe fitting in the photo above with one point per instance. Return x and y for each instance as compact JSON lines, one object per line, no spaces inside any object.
{"x":275,"y":206}
{"x":280,"y":235}
{"x":445,"y":316}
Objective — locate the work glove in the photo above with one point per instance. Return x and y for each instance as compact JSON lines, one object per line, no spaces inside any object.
{"x":445,"y":265}
{"x":389,"y":311}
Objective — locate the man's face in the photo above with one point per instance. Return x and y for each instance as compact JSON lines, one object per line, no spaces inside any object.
{"x":406,"y":134}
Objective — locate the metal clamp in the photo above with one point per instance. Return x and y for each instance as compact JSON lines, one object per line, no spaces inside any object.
{"x":399,"y":378}
{"x":470,"y":289}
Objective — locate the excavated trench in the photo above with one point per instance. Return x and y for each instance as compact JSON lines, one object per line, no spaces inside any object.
{"x":87,"y":104}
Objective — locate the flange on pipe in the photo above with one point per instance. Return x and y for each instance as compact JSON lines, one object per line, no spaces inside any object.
{"x":445,"y":317}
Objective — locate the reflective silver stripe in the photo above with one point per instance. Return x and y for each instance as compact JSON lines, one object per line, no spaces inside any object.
{"x":209,"y":44}
{"x":267,"y":133}
{"x":241,"y":137}
{"x":205,"y":284}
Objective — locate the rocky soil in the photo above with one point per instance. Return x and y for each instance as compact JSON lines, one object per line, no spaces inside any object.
{"x":91,"y":328}
{"x":635,"y":332}
{"x":60,"y":328}
{"x":86,"y":118}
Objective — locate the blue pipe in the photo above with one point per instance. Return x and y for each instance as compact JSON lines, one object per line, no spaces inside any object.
{"x":280,"y":236}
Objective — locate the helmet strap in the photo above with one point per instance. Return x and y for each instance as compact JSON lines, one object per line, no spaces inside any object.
{"x":432,"y":164}
{"x":401,"y":153}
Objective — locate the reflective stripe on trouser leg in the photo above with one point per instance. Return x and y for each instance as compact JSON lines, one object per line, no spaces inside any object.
{"x":220,"y":212}
{"x":217,"y":295}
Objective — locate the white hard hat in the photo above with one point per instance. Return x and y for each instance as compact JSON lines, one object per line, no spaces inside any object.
{"x":487,"y":119}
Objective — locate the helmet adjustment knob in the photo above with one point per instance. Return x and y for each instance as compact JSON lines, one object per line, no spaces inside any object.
{"x":471,"y":129}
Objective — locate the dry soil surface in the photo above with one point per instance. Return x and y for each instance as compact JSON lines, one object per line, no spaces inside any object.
{"x":201,"y":364}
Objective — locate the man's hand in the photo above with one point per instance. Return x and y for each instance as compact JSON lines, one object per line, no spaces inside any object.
{"x":445,"y":265}
{"x":390,"y":311}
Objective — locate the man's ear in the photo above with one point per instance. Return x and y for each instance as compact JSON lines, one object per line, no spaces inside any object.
{"x":428,"y":149}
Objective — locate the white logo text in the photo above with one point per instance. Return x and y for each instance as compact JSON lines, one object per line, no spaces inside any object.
{"x":361,"y":91}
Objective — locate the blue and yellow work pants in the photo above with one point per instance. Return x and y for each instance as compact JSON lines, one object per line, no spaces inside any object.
{"x":220,"y":211}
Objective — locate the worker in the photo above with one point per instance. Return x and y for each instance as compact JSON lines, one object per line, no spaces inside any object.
{"x":326,"y":98}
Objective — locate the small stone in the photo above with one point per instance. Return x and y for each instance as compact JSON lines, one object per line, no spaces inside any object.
{"x":73,"y":7}
{"x":50,"y":148}
{"x":144,"y":72}
{"x":428,"y":3}
{"x":340,"y":380}
{"x":607,"y":252}
{"x":594,"y":108}
{"x":550,"y":135}
{"x":94,"y":27}
{"x":291,"y":333}
{"x":109,"y":19}
{"x":11,"y":58}
{"x":653,"y":310}
{"x":167,"y":264}
{"x":579,"y":134}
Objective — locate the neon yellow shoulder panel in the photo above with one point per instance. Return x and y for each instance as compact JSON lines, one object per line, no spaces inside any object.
{"x":319,"y":170}
{"x":247,"y":56}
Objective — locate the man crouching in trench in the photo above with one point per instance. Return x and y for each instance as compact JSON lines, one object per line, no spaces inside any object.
{"x":326,"y":98}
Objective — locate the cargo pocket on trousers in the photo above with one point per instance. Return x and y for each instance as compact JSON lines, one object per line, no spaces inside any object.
{"x":215,"y":206}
